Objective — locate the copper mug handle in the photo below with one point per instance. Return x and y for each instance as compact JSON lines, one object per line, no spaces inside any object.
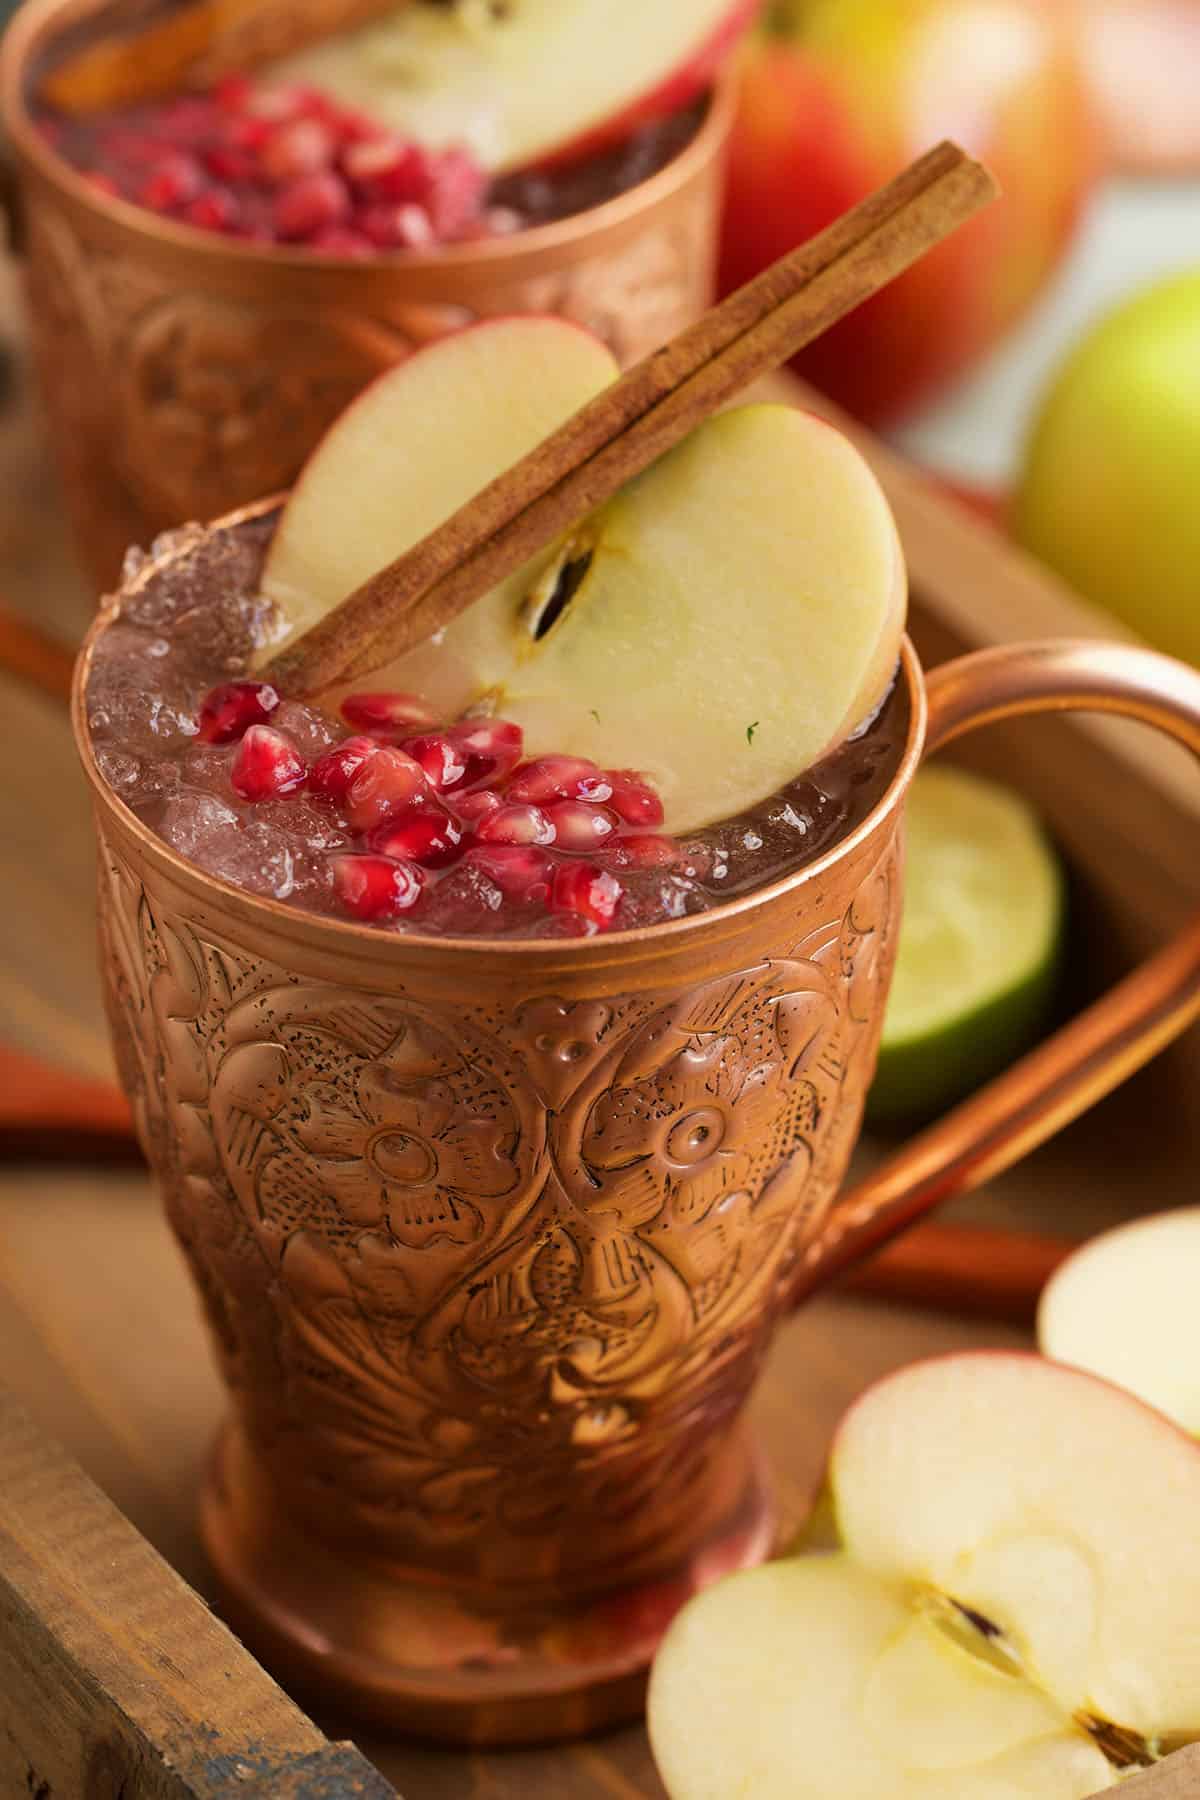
{"x":1095,"y":1052}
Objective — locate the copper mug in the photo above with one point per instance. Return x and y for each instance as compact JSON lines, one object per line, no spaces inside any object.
{"x":184,"y":373}
{"x":492,"y":1236}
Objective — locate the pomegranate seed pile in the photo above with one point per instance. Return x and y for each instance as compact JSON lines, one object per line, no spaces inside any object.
{"x":387,"y":815}
{"x":415,"y":800}
{"x":282,"y":165}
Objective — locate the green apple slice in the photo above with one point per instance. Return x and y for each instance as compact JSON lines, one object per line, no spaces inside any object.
{"x":722,"y":622}
{"x":740,"y":613}
{"x":1053,"y":1505}
{"x":1010,"y":1613}
{"x":529,"y":81}
{"x":415,"y":445}
{"x":1124,"y":1306}
{"x":980,"y":943}
{"x":807,"y":1679}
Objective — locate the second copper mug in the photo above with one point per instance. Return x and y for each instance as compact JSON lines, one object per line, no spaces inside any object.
{"x":183,"y":372}
{"x":492,"y":1236}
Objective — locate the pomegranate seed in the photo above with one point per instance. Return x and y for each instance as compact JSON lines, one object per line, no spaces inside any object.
{"x":177,"y":179}
{"x":266,"y":766}
{"x":232,"y":92}
{"x":586,"y":889}
{"x":578,"y":826}
{"x":471,"y":808}
{"x":331,"y":774}
{"x":388,"y":168}
{"x":375,"y":887}
{"x":275,"y":104}
{"x":444,"y":764}
{"x":232,"y":708}
{"x":249,"y":133}
{"x":432,"y":838}
{"x":594,"y":788}
{"x":224,"y":163}
{"x":215,"y":211}
{"x":520,"y":871}
{"x":633,"y":799}
{"x":382,"y":713}
{"x":642,"y":850}
{"x":301,"y":147}
{"x":457,"y":192}
{"x":310,"y":204}
{"x":493,"y":748}
{"x":551,"y":778}
{"x":386,"y":785}
{"x":519,"y":824}
{"x":397,"y":227}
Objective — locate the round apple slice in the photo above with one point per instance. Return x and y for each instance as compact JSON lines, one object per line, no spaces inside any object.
{"x":722,"y":622}
{"x":1124,"y":1306}
{"x":532,"y":81}
{"x":730,"y":616}
{"x":1053,"y":1506}
{"x":422,"y":440}
{"x":807,"y":1679}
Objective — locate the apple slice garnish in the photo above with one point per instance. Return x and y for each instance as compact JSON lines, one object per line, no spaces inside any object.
{"x":809,"y":1679}
{"x":1011,"y":1612}
{"x":1124,"y":1306}
{"x":530,"y":82}
{"x":719,"y":624}
{"x":414,"y":446}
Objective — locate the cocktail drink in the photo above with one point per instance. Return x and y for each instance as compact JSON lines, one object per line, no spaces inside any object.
{"x":229,"y":233}
{"x":498,"y":1029}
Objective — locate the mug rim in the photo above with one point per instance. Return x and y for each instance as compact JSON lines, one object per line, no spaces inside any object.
{"x":33,"y":20}
{"x":511,"y":953}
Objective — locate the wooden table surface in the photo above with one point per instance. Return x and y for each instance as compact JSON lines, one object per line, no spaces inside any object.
{"x":99,"y":1333}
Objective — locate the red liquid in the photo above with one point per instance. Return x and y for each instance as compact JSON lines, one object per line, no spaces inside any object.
{"x":407,"y":825}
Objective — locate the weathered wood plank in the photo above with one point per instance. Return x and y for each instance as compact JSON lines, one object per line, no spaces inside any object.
{"x":1176,"y":1778}
{"x":116,"y":1682}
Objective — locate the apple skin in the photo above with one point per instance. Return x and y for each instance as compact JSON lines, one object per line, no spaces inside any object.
{"x":1111,"y":474}
{"x":695,"y":76}
{"x":836,"y":103}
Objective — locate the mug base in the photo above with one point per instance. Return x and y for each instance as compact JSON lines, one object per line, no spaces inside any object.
{"x":417,"y":1659}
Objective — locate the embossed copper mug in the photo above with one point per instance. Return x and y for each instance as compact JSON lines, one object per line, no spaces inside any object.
{"x":492,"y":1236}
{"x":184,"y":373}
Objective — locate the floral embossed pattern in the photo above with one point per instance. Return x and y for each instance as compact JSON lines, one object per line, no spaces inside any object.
{"x":173,"y":393}
{"x":479,"y":1268}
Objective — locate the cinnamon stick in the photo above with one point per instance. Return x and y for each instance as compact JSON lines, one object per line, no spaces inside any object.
{"x":635,"y":421}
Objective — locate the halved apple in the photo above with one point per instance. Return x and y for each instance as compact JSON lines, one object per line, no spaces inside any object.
{"x":721,"y":623}
{"x":529,"y":81}
{"x":810,"y":1678}
{"x":1011,"y":1611}
{"x":1124,"y":1306}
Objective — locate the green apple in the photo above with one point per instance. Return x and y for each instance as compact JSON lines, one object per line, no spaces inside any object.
{"x":1108,"y":491}
{"x":720,"y":623}
{"x":1010,"y":1615}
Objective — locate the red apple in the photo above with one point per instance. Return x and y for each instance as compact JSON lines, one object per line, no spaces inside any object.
{"x":838,"y":95}
{"x":541,"y":83}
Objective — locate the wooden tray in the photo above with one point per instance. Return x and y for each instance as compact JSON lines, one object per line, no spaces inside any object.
{"x":101,"y":1339}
